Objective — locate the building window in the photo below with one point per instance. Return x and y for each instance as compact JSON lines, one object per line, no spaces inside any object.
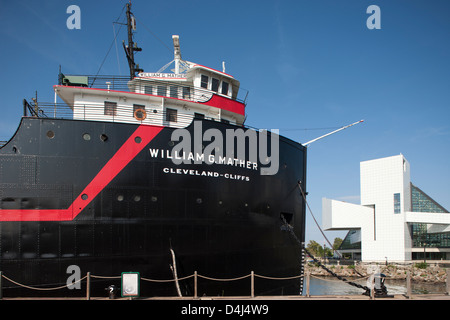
{"x":397,"y":203}
{"x":110,"y":108}
{"x":215,"y":85}
{"x":204,"y":82}
{"x":171,"y":115}
{"x":224,"y":88}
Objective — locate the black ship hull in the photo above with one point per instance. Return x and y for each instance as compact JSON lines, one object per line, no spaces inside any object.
{"x":108,"y":198}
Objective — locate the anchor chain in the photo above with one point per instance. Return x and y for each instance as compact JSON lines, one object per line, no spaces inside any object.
{"x":289,"y":228}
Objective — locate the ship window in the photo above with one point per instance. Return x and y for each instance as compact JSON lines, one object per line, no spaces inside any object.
{"x":225,"y":88}
{"x":215,"y":85}
{"x":173,"y":91}
{"x":50,"y":134}
{"x":161,"y":90}
{"x":110,"y":108}
{"x":171,"y":115}
{"x":148,"y":89}
{"x":186,"y":93}
{"x":199,"y":115}
{"x":137,"y":107}
{"x":204,"y":82}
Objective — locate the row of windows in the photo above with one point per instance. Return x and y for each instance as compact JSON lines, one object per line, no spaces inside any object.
{"x":161,"y":90}
{"x":215,"y":84}
{"x":171,"y":114}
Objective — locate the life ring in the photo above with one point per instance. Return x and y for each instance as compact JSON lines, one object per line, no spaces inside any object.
{"x":140,"y":114}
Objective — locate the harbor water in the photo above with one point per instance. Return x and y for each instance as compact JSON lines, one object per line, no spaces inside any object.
{"x":332,"y":286}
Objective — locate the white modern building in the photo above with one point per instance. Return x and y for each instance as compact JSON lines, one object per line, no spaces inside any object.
{"x":396,"y":221}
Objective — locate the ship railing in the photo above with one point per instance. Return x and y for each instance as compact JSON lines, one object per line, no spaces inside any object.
{"x":118,"y":113}
{"x":164,"y":88}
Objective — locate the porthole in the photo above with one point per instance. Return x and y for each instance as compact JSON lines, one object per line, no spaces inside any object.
{"x":84,"y":196}
{"x":120,"y":198}
{"x":50,"y":134}
{"x":137,"y":198}
{"x":86,"y":136}
{"x":138,"y":139}
{"x":154,"y":198}
{"x":103,"y":137}
{"x":199,"y":200}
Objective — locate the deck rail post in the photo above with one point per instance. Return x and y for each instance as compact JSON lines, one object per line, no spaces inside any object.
{"x":308,"y":282}
{"x":195,"y":285}
{"x":448,"y":282}
{"x":253,"y":284}
{"x":88,"y":286}
{"x":408,"y":284}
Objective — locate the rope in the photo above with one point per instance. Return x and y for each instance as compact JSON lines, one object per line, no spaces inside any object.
{"x":41,"y":289}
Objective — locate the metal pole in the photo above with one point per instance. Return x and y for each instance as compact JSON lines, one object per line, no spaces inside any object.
{"x":1,"y":277}
{"x":88,"y":286}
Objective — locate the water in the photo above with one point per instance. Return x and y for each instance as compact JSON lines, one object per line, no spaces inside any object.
{"x":332,"y":286}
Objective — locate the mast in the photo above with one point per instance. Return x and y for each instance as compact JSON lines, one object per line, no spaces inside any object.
{"x":131,"y":47}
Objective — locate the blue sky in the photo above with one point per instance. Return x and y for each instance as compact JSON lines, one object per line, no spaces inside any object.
{"x":306,"y":64}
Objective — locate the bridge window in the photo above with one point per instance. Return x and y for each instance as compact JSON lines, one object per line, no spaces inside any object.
{"x":215,"y":85}
{"x":186,"y":93}
{"x":204,"y":82}
{"x":173,"y":91}
{"x":224,"y":88}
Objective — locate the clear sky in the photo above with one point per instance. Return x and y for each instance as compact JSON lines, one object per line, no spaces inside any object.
{"x":309,"y":66}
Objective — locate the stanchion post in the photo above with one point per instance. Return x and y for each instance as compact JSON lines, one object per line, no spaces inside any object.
{"x":88,"y":286}
{"x":1,"y":290}
{"x":308,"y":281}
{"x":372,"y":288}
{"x":253,"y":284}
{"x":195,"y":285}
{"x":448,"y":282}
{"x":408,"y":284}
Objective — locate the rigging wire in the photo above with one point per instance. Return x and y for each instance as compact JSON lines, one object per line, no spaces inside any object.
{"x":112,"y":43}
{"x":151,"y":32}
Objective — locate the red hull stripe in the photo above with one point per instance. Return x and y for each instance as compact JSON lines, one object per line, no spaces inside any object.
{"x":127,"y":152}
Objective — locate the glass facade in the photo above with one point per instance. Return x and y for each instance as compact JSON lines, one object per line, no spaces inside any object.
{"x":421,"y":202}
{"x":352,"y":240}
